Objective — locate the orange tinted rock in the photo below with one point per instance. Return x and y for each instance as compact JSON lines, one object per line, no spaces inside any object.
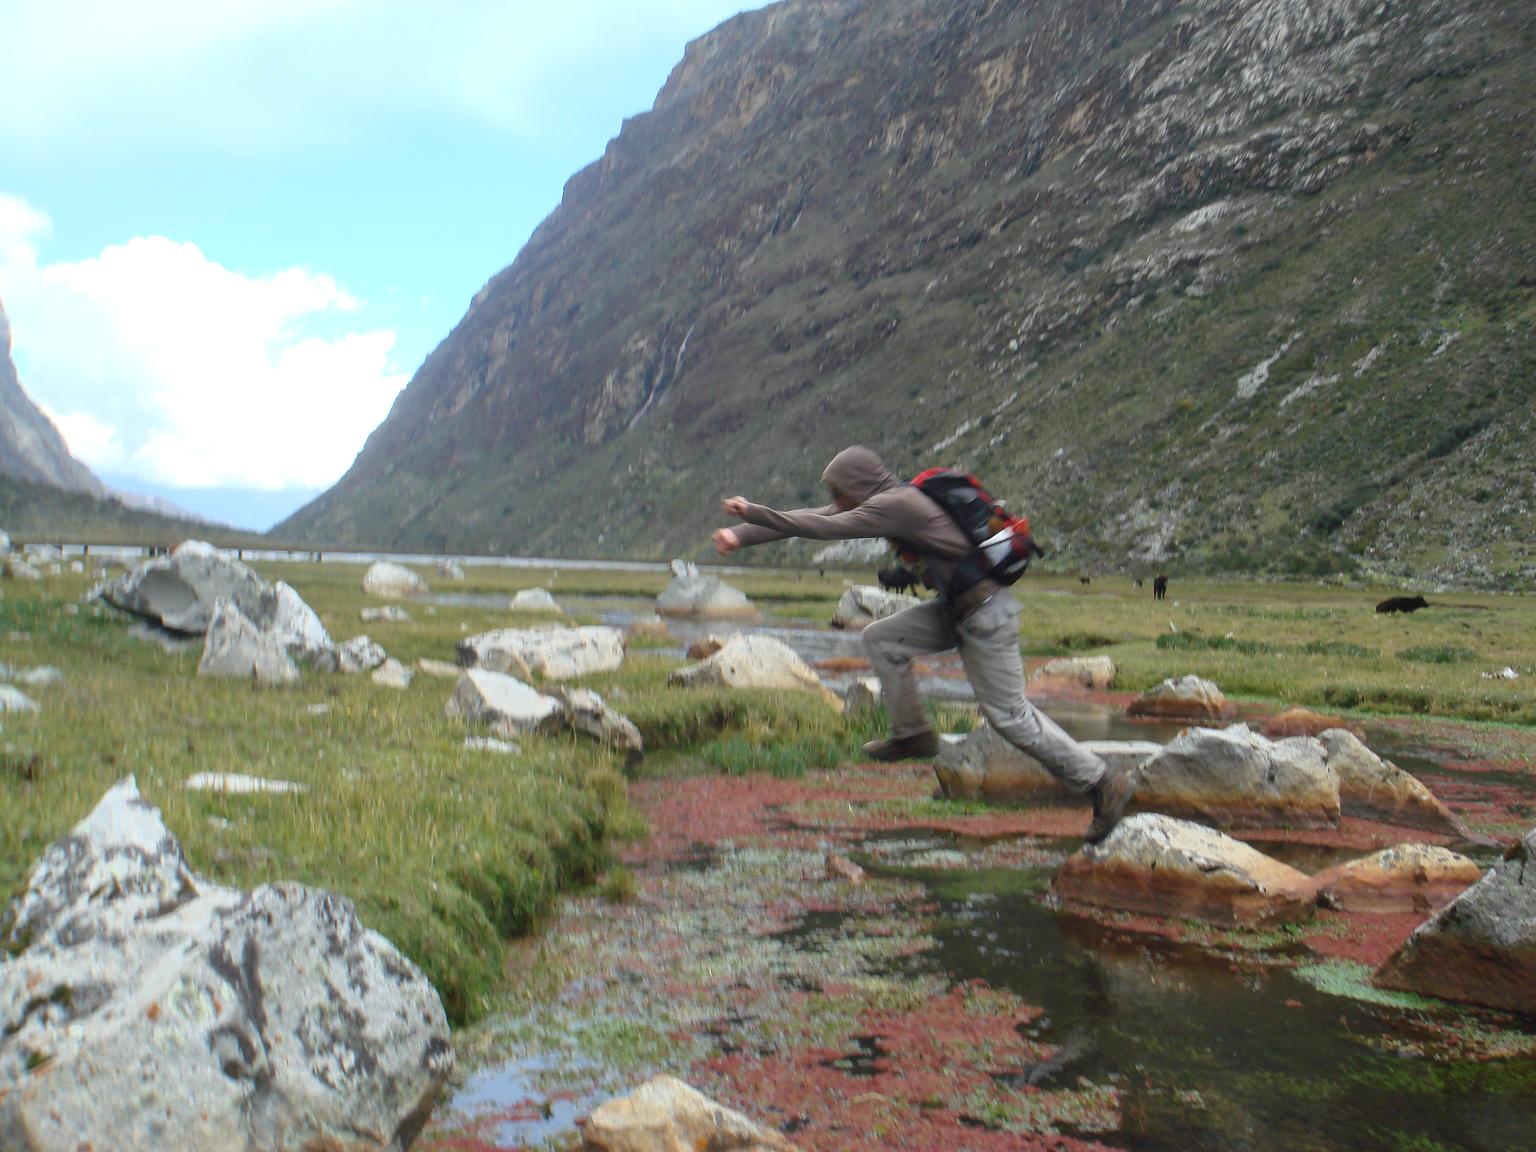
{"x":1379,"y":790}
{"x":1303,"y":722}
{"x":1405,"y":878}
{"x":1185,"y":698}
{"x":1158,"y":866}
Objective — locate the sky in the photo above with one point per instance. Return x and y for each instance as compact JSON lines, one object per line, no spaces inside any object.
{"x":231,"y":230}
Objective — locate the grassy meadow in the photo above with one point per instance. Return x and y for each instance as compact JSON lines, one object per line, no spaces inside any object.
{"x":451,"y":852}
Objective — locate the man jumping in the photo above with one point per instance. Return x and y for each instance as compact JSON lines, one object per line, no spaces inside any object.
{"x":971,"y":612}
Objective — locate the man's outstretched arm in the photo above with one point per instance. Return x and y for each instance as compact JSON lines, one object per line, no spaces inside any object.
{"x":728,"y":540}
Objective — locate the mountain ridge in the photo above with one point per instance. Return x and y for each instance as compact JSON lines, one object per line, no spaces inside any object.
{"x":31,"y":447}
{"x":1221,"y":286}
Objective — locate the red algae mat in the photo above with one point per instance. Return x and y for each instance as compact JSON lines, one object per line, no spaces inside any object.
{"x":778,"y":987}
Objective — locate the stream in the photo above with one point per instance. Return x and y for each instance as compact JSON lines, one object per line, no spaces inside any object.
{"x":738,"y":951}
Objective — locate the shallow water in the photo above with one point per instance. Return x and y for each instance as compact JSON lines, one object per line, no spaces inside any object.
{"x":1206,"y":1057}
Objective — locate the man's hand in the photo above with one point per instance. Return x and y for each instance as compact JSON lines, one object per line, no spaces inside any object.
{"x":735,"y":506}
{"x":726,"y":541}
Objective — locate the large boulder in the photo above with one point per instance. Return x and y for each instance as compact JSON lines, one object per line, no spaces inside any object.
{"x":984,"y":766}
{"x":393,"y":674}
{"x":143,"y":1008}
{"x":1377,"y":789}
{"x":1160,"y":866}
{"x":1481,"y":947}
{"x":863,"y":696}
{"x":392,"y":581}
{"x":666,"y":1115}
{"x":293,"y":623}
{"x":179,"y":591}
{"x":494,"y":698}
{"x":1090,"y":672}
{"x":552,"y":651}
{"x":1235,"y":778}
{"x":234,"y":647}
{"x":702,"y":597}
{"x":1184,"y":698}
{"x":1405,"y":878}
{"x":753,"y":662}
{"x":863,"y":604}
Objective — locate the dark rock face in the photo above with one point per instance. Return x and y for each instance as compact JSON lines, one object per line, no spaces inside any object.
{"x":1140,"y":265}
{"x":30,"y":446}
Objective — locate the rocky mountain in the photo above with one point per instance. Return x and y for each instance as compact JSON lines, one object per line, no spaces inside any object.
{"x":31,"y":448}
{"x":1220,"y":284}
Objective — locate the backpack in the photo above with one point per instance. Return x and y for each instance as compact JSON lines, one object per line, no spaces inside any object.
{"x":1004,"y":546}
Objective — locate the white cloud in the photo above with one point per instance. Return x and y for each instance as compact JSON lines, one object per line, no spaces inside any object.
{"x":243,"y":74}
{"x":162,"y":364}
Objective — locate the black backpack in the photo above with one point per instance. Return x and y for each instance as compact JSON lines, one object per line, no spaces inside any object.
{"x":1004,"y":544}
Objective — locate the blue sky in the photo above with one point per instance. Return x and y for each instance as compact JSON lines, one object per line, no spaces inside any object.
{"x":230,"y":231}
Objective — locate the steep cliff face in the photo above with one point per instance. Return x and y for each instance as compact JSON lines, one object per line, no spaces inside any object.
{"x":30,"y":446}
{"x":1228,"y":283}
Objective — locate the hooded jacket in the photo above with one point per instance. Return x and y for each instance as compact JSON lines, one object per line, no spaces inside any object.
{"x":886,"y":507}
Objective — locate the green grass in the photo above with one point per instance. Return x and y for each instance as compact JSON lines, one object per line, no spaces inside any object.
{"x":450,"y":853}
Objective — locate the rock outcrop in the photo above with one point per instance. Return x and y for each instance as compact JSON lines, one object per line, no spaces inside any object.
{"x":1235,"y":778}
{"x":534,"y":600}
{"x":144,"y":1008}
{"x":587,"y":712}
{"x":1160,"y":866}
{"x":1481,"y":947}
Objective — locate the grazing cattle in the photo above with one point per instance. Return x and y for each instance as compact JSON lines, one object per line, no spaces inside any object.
{"x":1138,"y":581}
{"x":1402,"y":604}
{"x":1084,"y":579}
{"x":1159,"y":587}
{"x":898,"y":578}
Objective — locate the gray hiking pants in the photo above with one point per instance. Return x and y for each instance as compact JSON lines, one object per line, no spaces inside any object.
{"x":988,"y":640}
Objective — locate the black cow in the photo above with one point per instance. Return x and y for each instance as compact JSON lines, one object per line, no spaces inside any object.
{"x":898,"y":578}
{"x":1159,"y":586}
{"x":1402,"y":604}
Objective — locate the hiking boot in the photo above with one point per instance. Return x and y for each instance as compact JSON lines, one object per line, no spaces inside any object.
{"x":914,"y":747}
{"x":1111,"y":796}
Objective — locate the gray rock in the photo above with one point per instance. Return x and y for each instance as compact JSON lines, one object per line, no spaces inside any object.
{"x":862,"y":605}
{"x":1235,"y":778}
{"x":235,"y":647}
{"x":450,"y":569}
{"x":484,"y":697}
{"x":984,"y":766}
{"x":293,"y":623}
{"x":753,"y":662}
{"x":534,"y":600}
{"x":143,"y":1008}
{"x":1183,"y":698}
{"x":237,"y":784}
{"x":861,"y":697}
{"x":389,"y":614}
{"x":5,"y":543}
{"x":1377,"y":789}
{"x":15,"y":700}
{"x":491,"y":744}
{"x":15,"y":568}
{"x":43,"y":676}
{"x":392,"y":580}
{"x":702,"y":597}
{"x":552,"y":651}
{"x":1092,"y":672}
{"x":393,"y":674}
{"x":359,"y":655}
{"x":179,"y":591}
{"x":665,"y":1114}
{"x":586,"y":712}
{"x":1160,"y":866}
{"x":1481,"y":947}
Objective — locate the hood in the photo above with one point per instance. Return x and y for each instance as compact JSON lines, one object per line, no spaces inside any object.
{"x":858,"y":473}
